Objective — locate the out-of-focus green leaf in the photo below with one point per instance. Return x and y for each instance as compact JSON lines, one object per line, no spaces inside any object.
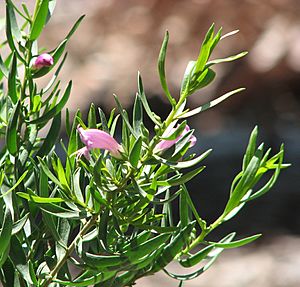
{"x":51,"y":7}
{"x":39,"y":19}
{"x":12,"y":29}
{"x":3,"y":66}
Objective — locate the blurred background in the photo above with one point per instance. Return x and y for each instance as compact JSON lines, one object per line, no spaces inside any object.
{"x":118,"y":38}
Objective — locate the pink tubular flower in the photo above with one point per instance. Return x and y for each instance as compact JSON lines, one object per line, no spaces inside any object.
{"x":165,"y":144}
{"x":43,"y":60}
{"x":93,"y":138}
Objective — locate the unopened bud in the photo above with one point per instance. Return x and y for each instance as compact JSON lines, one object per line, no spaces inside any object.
{"x":43,"y":60}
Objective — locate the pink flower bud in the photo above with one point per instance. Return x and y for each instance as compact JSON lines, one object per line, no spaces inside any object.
{"x":165,"y":144}
{"x":43,"y":60}
{"x":93,"y":138}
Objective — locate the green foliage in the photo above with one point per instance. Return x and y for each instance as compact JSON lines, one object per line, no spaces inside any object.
{"x":111,"y":215}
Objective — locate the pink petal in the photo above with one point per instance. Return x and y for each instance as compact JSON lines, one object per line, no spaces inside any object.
{"x":94,"y":138}
{"x":165,"y":144}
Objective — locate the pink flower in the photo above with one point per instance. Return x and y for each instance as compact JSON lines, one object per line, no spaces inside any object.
{"x":43,"y":60}
{"x":93,"y":138}
{"x":165,"y":144}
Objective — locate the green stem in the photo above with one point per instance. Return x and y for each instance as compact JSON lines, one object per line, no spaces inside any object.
{"x":69,"y":251}
{"x":203,"y":234}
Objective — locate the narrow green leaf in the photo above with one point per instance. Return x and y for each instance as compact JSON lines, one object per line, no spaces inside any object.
{"x":61,"y":175}
{"x":55,"y":110}
{"x":173,"y":248}
{"x":246,"y":181}
{"x":205,"y":49}
{"x":5,"y":235}
{"x":58,"y":211}
{"x":39,"y":19}
{"x":147,"y":108}
{"x":271,"y":181}
{"x":103,"y":120}
{"x":51,"y":138}
{"x":88,"y":278}
{"x":227,"y":59}
{"x":214,"y":254}
{"x":176,"y":133}
{"x":250,"y":148}
{"x":11,"y":131}
{"x":197,"y":257}
{"x":39,"y":199}
{"x":184,"y":213}
{"x":135,"y":254}
{"x":185,"y":83}
{"x":10,"y":18}
{"x":209,"y":104}
{"x":237,"y":243}
{"x":186,"y":177}
{"x":92,"y":121}
{"x":102,"y":262}
{"x":18,"y":225}
{"x":3,"y":69}
{"x":135,"y":153}
{"x":76,"y":183}
{"x":161,"y":68}
{"x":187,"y":163}
{"x":137,"y":114}
{"x":12,"y":80}
{"x":124,"y":116}
{"x":20,"y":179}
{"x":47,"y":171}
{"x":51,"y":7}
{"x":158,"y":229}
